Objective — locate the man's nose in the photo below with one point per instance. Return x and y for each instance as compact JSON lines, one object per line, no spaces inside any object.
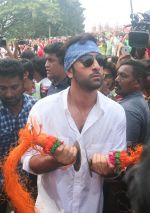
{"x":96,"y":64}
{"x":46,"y":63}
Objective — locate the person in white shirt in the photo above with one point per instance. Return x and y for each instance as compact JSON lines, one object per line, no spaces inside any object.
{"x":79,"y":113}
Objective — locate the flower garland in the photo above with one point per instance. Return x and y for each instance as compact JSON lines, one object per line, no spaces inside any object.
{"x":121,"y":160}
{"x":51,"y":145}
{"x":20,"y":198}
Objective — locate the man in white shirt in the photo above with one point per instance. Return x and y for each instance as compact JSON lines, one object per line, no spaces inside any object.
{"x":79,"y":113}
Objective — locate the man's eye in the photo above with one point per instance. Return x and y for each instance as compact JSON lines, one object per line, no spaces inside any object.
{"x":50,"y":60}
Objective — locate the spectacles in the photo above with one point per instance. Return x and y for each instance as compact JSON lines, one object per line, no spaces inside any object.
{"x":87,"y":60}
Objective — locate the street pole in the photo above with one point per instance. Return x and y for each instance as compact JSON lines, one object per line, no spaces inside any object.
{"x":131,"y":5}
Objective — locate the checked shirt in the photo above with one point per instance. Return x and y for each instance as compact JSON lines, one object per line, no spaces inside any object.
{"x":10,"y":124}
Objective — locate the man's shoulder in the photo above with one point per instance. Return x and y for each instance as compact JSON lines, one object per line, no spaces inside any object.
{"x":28,"y":103}
{"x":28,"y":99}
{"x":49,"y":101}
{"x":110,"y":104}
{"x":112,"y":109}
{"x":134,"y":103}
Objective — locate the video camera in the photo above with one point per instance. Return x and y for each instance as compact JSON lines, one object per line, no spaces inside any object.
{"x":140,"y":34}
{"x":2,"y":41}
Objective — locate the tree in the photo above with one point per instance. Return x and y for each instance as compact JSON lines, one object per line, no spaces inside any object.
{"x":34,"y":18}
{"x":72,"y":17}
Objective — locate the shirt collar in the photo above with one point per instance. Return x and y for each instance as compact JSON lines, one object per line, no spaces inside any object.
{"x":100,"y":103}
{"x":134,"y":94}
{"x":62,"y":83}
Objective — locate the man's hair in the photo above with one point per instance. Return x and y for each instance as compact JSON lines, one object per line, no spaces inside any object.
{"x":27,"y":54}
{"x":138,"y":53}
{"x":139,"y":70}
{"x":57,"y":49}
{"x":111,"y":67}
{"x":138,"y":180}
{"x":11,"y":68}
{"x":28,"y":67}
{"x":82,"y":38}
{"x":39,"y":66}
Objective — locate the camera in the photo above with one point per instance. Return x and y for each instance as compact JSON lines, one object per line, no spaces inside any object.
{"x":2,"y":41}
{"x":140,"y":34}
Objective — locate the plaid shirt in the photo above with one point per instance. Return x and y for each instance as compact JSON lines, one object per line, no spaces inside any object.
{"x":10,"y":124}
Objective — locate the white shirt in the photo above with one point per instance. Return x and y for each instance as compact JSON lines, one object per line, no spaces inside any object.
{"x":69,"y":191}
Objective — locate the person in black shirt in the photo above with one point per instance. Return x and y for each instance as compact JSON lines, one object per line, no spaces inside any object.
{"x":54,"y":54}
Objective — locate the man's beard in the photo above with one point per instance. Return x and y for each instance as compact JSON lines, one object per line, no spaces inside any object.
{"x":11,"y":102}
{"x":88,"y":84}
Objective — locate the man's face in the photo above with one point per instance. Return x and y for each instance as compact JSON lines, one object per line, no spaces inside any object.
{"x":54,"y":69}
{"x":11,"y":90}
{"x":125,"y":81}
{"x":28,"y":86}
{"x":108,"y":78}
{"x":88,"y":77}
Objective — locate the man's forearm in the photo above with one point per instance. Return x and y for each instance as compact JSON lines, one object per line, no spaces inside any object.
{"x":43,"y":164}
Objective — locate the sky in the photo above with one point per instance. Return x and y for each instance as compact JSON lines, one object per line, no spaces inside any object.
{"x":113,"y":12}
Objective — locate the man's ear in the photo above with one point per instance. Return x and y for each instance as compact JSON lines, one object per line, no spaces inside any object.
{"x":69,"y":73}
{"x":138,"y":84}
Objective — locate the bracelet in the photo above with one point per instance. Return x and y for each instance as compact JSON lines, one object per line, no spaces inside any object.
{"x":55,"y":146}
{"x":52,"y":143}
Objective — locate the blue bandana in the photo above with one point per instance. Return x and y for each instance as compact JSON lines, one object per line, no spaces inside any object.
{"x":76,"y":50}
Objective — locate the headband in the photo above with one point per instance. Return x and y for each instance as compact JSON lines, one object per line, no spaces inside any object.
{"x":76,"y":50}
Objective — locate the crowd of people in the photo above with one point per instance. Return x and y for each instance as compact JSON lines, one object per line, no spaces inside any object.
{"x":94,"y":95}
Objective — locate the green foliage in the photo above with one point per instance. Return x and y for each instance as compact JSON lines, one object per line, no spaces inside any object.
{"x":39,"y":18}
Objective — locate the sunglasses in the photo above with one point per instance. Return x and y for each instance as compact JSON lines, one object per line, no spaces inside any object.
{"x":87,"y":60}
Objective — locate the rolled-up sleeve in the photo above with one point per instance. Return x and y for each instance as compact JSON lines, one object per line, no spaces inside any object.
{"x":25,"y":160}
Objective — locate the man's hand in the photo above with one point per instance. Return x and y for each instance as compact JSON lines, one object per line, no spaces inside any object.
{"x":65,"y":154}
{"x":99,"y":164}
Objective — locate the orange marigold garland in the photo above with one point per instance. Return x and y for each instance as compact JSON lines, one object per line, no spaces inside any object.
{"x":20,"y":199}
{"x":121,"y":160}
